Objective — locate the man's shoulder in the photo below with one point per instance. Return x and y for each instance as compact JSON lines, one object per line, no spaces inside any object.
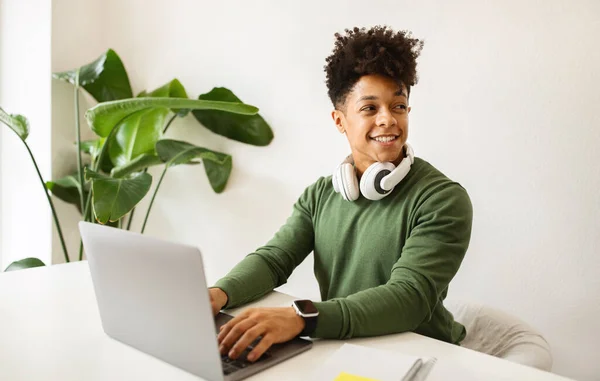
{"x":425,"y":169}
{"x":313,"y":193}
{"x":322,"y":183}
{"x":428,"y":181}
{"x":433,"y":188}
{"x":426,"y":174}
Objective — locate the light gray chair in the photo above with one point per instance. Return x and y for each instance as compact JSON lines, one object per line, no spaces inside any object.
{"x":500,"y":334}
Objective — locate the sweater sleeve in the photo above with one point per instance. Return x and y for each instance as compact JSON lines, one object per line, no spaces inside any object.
{"x":429,"y":260}
{"x":271,"y":265}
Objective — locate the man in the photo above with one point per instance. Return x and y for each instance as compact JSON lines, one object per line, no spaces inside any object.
{"x":383,"y":257}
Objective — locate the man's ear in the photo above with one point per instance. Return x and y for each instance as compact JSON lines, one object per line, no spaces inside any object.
{"x":338,"y":119}
{"x":408,"y":109}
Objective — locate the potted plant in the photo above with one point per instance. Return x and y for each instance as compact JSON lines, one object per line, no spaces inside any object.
{"x":112,"y":171}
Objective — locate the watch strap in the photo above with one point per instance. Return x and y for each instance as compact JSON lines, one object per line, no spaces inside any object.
{"x":310,"y":324}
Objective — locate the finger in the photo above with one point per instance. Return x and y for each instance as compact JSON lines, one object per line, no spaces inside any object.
{"x":259,"y":349}
{"x":235,"y":333}
{"x":230,"y":324}
{"x":246,"y":339}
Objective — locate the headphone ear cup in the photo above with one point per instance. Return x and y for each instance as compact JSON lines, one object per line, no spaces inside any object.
{"x":370,"y":182}
{"x":348,"y":183}
{"x":335,"y":180}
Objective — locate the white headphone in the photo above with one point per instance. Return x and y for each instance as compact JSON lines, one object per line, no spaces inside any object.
{"x":378,"y":180}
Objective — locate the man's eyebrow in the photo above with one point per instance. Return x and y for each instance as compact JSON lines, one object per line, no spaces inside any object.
{"x":399,"y":93}
{"x":367,"y":98}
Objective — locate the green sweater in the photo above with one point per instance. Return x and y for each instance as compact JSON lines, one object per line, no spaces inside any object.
{"x":382,"y":266}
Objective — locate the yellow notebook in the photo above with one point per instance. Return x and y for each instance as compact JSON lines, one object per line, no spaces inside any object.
{"x":350,"y":377}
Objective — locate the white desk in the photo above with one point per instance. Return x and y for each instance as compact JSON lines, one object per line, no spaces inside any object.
{"x":50,"y":330}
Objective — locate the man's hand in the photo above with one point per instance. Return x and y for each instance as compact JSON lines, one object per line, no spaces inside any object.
{"x":218,"y":299}
{"x":275,"y":325}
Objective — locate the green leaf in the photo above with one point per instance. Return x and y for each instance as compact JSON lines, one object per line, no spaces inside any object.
{"x":113,"y":198}
{"x":67,"y":189}
{"x":26,"y":263}
{"x":103,"y":117}
{"x":138,"y":164}
{"x":105,"y":79}
{"x":93,"y":148}
{"x":249,"y":129}
{"x":176,"y":152}
{"x":217,"y":165}
{"x":218,"y":174}
{"x":17,"y":123}
{"x":173,"y":89}
{"x":137,"y":135}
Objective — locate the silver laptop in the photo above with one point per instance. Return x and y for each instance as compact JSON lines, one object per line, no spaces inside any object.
{"x":152,"y":295}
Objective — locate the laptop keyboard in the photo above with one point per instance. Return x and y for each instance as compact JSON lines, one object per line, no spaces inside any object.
{"x":230,"y":365}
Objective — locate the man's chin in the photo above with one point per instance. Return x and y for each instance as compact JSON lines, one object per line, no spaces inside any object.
{"x":395,"y":158}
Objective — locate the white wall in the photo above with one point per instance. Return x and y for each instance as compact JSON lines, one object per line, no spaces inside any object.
{"x":505,"y":105}
{"x":24,"y":89}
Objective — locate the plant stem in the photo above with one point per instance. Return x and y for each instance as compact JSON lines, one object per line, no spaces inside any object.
{"x":80,"y":250}
{"x":130,"y":219}
{"x":169,"y":123}
{"x":78,"y":135}
{"x":85,"y":218}
{"x":54,"y":215}
{"x":88,"y":202}
{"x":153,"y":196}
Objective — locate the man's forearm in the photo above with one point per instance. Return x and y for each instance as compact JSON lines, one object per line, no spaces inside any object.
{"x":390,"y":308}
{"x":247,"y":281}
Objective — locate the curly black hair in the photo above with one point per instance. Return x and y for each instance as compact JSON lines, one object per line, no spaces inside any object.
{"x":378,"y":50}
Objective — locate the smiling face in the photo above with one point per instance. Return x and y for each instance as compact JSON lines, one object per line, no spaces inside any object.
{"x":374,"y":118}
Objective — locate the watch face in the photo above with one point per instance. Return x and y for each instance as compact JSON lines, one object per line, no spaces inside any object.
{"x":306,"y":306}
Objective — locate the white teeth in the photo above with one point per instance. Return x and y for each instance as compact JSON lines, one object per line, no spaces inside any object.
{"x":384,"y":139}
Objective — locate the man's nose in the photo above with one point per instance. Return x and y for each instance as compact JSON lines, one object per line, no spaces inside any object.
{"x":385,"y":118}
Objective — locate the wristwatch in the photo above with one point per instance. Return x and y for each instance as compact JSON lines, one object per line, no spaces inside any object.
{"x":306,"y":310}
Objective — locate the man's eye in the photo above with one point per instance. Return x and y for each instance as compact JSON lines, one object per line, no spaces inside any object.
{"x":368,"y":108}
{"x":402,"y":107}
